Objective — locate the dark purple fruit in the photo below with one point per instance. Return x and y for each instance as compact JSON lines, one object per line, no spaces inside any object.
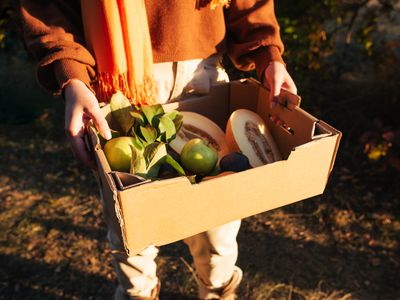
{"x":235,"y":162}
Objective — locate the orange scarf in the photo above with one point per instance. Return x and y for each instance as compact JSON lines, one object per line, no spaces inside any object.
{"x":118,"y":34}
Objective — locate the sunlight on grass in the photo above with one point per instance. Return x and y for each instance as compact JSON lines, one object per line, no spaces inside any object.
{"x":273,"y":290}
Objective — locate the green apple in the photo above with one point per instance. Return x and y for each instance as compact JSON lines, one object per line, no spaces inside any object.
{"x":118,"y":153}
{"x":198,"y":158}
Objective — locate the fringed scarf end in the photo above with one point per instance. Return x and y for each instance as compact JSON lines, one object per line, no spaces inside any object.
{"x":108,"y":84}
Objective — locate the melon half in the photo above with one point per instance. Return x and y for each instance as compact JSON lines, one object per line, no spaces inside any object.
{"x":246,"y":132}
{"x":198,"y":126}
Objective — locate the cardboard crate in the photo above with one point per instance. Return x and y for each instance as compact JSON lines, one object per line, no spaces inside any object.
{"x":165,"y":211}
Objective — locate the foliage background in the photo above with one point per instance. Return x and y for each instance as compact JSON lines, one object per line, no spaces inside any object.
{"x":344,"y":57}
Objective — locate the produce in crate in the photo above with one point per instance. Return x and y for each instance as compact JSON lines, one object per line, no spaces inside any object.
{"x":147,"y":132}
{"x":198,"y":126}
{"x":198,"y":157}
{"x":148,"y":129}
{"x":235,"y":162}
{"x":246,"y":132}
{"x":119,"y":153}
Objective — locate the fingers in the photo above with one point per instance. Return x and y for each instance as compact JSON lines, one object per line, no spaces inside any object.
{"x":290,"y":85}
{"x":275,"y":86}
{"x":79,"y":99}
{"x":99,"y":120}
{"x":81,"y":105}
{"x":75,"y":132}
{"x":277,"y":77}
{"x":80,"y":151}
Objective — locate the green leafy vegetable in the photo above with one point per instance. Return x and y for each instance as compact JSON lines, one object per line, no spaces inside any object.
{"x":149,"y":133}
{"x":151,"y":111}
{"x":152,"y":129}
{"x":167,"y":129}
{"x":139,"y":118}
{"x":121,"y":110}
{"x":153,"y":152}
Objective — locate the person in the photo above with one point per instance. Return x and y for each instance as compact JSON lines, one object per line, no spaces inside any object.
{"x":188,"y":39}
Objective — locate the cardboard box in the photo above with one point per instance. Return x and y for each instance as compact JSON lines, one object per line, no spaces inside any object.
{"x":165,"y":211}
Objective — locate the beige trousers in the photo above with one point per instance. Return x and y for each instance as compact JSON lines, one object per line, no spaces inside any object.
{"x":215,"y":251}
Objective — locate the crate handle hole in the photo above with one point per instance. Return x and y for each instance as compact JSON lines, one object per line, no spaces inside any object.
{"x":279,"y":122}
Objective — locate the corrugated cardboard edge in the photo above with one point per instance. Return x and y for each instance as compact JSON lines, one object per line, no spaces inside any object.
{"x":339,"y":137}
{"x":104,"y":172}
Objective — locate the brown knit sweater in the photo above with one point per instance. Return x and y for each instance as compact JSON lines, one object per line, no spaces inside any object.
{"x":179,"y":29}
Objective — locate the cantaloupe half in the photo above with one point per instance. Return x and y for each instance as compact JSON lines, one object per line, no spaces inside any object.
{"x":246,"y":132}
{"x":198,"y":126}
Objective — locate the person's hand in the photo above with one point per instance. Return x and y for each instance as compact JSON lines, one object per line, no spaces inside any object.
{"x":275,"y":77}
{"x":81,"y":105}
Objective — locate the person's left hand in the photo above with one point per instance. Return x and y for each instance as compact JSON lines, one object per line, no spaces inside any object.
{"x":275,"y":77}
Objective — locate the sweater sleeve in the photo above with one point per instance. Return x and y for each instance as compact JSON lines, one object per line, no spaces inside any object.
{"x":253,"y":38}
{"x":53,"y":33}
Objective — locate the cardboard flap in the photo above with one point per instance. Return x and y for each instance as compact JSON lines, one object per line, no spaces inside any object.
{"x":285,"y":99}
{"x":289,"y":124}
{"x":243,"y":94}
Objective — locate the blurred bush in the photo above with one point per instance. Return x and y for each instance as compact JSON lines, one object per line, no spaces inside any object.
{"x":21,"y":99}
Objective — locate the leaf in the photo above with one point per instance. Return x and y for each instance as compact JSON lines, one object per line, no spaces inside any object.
{"x":120,"y":111}
{"x":174,"y":164}
{"x":152,"y":172}
{"x":154,"y":155}
{"x":137,"y":141}
{"x":139,"y":118}
{"x":133,"y":160}
{"x":149,"y":133}
{"x":178,"y":121}
{"x":166,"y":126}
{"x":161,"y":138}
{"x":176,"y":118}
{"x":154,"y":152}
{"x":138,"y":163}
{"x":172,"y":114}
{"x":156,"y":122}
{"x":150,"y":111}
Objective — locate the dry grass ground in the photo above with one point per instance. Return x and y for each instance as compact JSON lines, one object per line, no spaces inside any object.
{"x":342,"y":245}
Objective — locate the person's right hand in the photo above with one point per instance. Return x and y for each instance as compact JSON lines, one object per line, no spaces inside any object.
{"x":81,"y":105}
